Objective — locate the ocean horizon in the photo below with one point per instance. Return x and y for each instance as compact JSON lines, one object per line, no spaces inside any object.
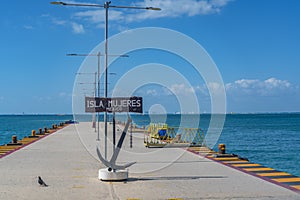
{"x":270,"y":139}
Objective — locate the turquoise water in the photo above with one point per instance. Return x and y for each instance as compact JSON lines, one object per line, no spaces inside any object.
{"x":272,"y":140}
{"x":269,"y":139}
{"x":22,"y":125}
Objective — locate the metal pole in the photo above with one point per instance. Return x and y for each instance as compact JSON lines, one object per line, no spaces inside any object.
{"x":98,"y":55}
{"x":95,"y":94}
{"x":131,"y":135}
{"x":114,"y":132}
{"x":98,"y":115}
{"x":106,"y":6}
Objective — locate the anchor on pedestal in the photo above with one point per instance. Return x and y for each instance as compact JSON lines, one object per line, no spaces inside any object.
{"x":114,"y":172}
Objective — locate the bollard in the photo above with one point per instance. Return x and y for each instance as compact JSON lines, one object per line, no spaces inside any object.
{"x":222,"y":148}
{"x":33,"y":133}
{"x":14,"y":139}
{"x":45,"y":130}
{"x":40,"y":131}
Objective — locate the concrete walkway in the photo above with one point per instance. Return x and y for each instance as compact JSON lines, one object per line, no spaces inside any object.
{"x":68,"y":163}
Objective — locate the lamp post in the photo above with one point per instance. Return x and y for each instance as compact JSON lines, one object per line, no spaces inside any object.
{"x":106,"y":6}
{"x":98,"y":82}
{"x":95,"y":83}
{"x":95,"y":94}
{"x":98,"y":72}
{"x":98,"y":79}
{"x":98,"y":55}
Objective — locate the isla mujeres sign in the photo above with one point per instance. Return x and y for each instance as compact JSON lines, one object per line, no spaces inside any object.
{"x":117,"y":104}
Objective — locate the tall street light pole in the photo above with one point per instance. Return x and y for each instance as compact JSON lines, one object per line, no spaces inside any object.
{"x":95,"y":95}
{"x":98,"y":78}
{"x":106,"y":6}
{"x":99,"y":71}
{"x":98,"y":83}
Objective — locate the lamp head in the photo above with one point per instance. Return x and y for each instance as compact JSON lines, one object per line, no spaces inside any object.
{"x":152,"y":8}
{"x":57,"y":3}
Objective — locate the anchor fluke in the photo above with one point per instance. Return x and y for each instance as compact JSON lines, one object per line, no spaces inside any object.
{"x":115,"y":172}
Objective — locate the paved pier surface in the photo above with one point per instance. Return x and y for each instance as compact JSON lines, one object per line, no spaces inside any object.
{"x":67,"y":162}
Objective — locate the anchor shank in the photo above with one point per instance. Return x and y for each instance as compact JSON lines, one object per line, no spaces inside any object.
{"x":121,"y":140}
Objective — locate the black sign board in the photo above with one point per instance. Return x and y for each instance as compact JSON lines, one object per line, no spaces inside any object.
{"x":117,"y":104}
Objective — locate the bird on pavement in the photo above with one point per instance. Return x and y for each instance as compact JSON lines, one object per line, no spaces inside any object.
{"x":41,"y":182}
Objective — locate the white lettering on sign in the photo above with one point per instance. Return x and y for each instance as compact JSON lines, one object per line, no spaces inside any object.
{"x":93,"y":104}
{"x":119,"y":104}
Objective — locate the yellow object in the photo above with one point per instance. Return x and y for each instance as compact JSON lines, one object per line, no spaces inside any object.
{"x":162,"y":134}
{"x":286,"y":180}
{"x":259,"y":169}
{"x":274,"y":174}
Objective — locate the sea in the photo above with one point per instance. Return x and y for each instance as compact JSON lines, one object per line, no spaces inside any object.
{"x":270,"y":139}
{"x":22,"y":125}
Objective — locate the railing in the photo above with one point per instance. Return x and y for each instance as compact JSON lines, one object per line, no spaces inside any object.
{"x":163,"y":133}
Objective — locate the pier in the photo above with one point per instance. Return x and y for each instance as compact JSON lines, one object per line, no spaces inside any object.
{"x":67,"y":162}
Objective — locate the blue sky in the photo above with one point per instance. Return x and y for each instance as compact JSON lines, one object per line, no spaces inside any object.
{"x":254,"y":43}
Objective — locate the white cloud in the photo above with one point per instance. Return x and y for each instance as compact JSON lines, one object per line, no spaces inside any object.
{"x":271,"y":86}
{"x":275,"y":83}
{"x":77,"y":28}
{"x":242,"y":87}
{"x":184,"y":90}
{"x":28,"y":27}
{"x":94,"y":16}
{"x":181,"y":89}
{"x":215,"y":88}
{"x":175,"y":8}
{"x":58,"y":21}
{"x":244,"y":83}
{"x":97,"y":16}
{"x":169,"y":8}
{"x":62,"y":94}
{"x":152,"y":92}
{"x":175,"y":89}
{"x":202,"y":89}
{"x":42,"y":98}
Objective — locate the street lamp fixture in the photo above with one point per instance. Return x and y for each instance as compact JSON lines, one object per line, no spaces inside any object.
{"x":78,"y":54}
{"x":98,"y":55}
{"x":98,"y":80}
{"x":102,"y":6}
{"x":106,"y":6}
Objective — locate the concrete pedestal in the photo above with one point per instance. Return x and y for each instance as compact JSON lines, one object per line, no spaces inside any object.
{"x":107,"y":174}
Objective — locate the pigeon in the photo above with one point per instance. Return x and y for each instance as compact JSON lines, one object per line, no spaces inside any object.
{"x":41,"y":182}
